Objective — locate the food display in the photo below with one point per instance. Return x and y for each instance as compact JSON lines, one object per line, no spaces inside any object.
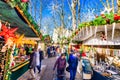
{"x":116,"y":62}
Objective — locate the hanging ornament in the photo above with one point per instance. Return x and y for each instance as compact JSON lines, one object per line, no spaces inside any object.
{"x":116,"y":17}
{"x":103,"y":37}
{"x":24,"y":1}
{"x":19,"y":39}
{"x":7,"y":33}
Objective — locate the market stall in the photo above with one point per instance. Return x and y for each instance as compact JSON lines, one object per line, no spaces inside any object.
{"x":102,"y":44}
{"x":13,"y":43}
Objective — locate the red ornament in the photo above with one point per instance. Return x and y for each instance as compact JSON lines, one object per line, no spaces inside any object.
{"x":83,"y":54}
{"x":24,"y":1}
{"x":7,"y":33}
{"x":116,"y":17}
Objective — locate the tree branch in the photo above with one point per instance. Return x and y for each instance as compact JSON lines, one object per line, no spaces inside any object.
{"x":69,"y":5}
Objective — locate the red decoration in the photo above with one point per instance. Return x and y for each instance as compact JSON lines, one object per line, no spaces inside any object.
{"x":103,"y":37}
{"x":24,"y":1}
{"x":76,"y":32}
{"x":116,"y":17}
{"x":7,"y":33}
{"x":83,"y":54}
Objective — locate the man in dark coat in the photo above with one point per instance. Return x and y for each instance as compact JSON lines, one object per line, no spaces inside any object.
{"x":32,"y":63}
{"x":73,"y":63}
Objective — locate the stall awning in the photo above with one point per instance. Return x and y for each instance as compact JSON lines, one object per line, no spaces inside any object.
{"x":8,"y":14}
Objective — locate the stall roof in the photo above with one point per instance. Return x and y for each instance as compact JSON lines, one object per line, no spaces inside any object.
{"x":11,"y":16}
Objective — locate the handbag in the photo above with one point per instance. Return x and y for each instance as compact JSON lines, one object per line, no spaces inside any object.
{"x":68,"y":69}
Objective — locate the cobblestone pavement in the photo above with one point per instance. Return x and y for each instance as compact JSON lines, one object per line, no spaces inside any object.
{"x":48,"y":74}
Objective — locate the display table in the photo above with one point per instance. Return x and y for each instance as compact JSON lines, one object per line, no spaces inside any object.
{"x":18,"y":70}
{"x":111,"y":72}
{"x":98,"y":76}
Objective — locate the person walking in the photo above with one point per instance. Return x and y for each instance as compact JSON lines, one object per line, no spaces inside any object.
{"x":32,"y":63}
{"x":48,"y":51}
{"x":61,"y":65}
{"x":73,"y":63}
{"x":41,"y":57}
{"x":38,"y":60}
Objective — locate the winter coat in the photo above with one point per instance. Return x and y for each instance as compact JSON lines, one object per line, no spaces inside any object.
{"x":41,"y":55}
{"x":73,"y":62}
{"x":32,"y":63}
{"x":60,"y":63}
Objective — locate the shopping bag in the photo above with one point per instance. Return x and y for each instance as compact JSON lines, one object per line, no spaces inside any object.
{"x":68,"y":69}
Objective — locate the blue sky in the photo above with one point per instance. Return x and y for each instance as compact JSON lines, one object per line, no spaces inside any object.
{"x":89,"y":8}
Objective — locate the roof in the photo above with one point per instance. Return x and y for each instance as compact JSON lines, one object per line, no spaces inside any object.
{"x":11,"y":16}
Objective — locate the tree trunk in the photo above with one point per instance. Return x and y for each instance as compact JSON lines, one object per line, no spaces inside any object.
{"x":62,"y":14}
{"x":113,"y":6}
{"x":30,"y":4}
{"x":74,"y":5}
{"x":40,"y":14}
{"x":35,"y":9}
{"x":118,"y":4}
{"x":79,"y":11}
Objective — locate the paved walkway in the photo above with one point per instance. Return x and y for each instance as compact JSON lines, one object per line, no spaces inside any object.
{"x":47,"y":71}
{"x":49,"y":74}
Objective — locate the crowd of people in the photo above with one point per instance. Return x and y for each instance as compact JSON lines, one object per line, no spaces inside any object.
{"x":71,"y":63}
{"x":63,"y":61}
{"x":36,"y":57}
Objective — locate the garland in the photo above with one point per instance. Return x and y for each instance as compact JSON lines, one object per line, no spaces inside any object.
{"x":103,"y":19}
{"x":24,"y":7}
{"x":7,"y":65}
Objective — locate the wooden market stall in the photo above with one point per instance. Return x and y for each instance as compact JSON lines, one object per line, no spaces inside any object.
{"x":103,"y":45}
{"x":23,"y":33}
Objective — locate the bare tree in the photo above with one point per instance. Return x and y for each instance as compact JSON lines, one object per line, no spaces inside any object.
{"x":79,"y":11}
{"x":118,"y":4}
{"x":73,"y":8}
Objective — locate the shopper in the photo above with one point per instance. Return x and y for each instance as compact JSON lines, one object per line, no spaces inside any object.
{"x":61,"y":65}
{"x":32,"y":63}
{"x":38,"y":60}
{"x":48,"y":51}
{"x":73,"y":63}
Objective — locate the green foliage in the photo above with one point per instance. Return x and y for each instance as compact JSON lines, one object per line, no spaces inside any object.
{"x":100,"y":20}
{"x":24,"y":7}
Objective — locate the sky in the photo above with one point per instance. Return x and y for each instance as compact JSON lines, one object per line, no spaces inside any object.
{"x":89,"y":9}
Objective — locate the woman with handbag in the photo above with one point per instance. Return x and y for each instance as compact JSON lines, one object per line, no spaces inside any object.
{"x":61,"y":65}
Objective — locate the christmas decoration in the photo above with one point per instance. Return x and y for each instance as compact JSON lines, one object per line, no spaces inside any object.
{"x":18,"y":40}
{"x":24,"y":1}
{"x":7,"y":33}
{"x":103,"y":37}
{"x":116,"y":17}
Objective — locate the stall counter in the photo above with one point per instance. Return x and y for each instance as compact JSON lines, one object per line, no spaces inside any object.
{"x":19,"y":70}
